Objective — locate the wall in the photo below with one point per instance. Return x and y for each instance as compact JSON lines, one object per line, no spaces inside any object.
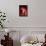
{"x":36,"y":13}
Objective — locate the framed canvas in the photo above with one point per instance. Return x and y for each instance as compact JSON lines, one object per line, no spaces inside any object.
{"x":23,"y":10}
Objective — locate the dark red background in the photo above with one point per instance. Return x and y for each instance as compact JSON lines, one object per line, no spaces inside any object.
{"x":23,"y":10}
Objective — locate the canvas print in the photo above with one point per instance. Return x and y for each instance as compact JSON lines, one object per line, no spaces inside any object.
{"x":23,"y":10}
